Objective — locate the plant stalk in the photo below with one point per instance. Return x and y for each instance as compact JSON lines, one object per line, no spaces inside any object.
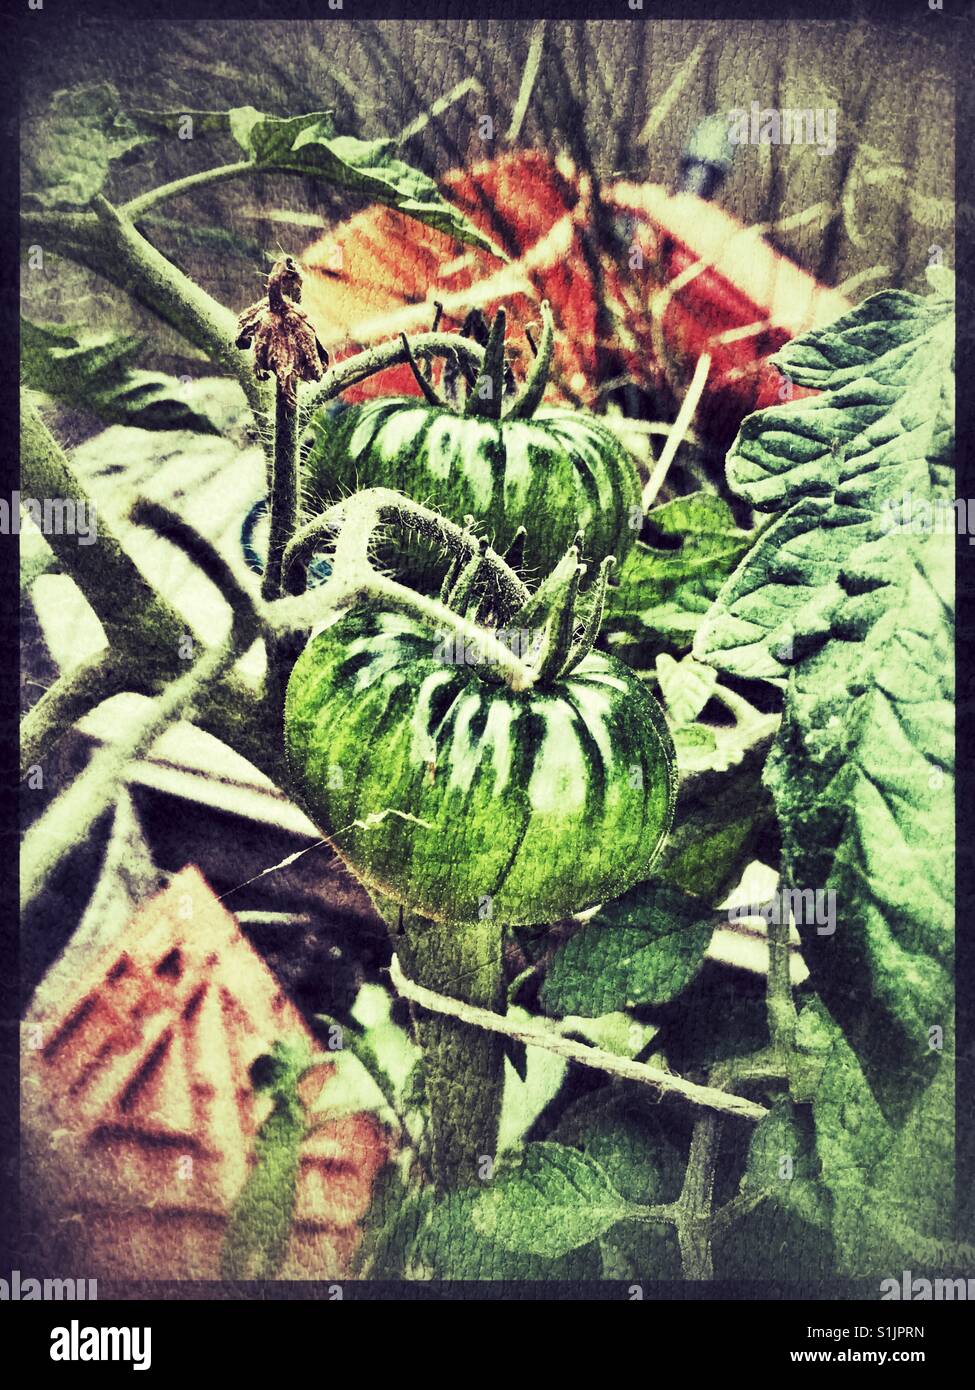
{"x":463,"y":1064}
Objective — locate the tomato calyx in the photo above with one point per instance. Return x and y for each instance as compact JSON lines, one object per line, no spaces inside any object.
{"x":551,"y":632}
{"x":486,"y":392}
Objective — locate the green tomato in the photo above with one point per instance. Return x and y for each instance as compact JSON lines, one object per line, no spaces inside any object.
{"x":461,"y":798}
{"x":556,"y":473}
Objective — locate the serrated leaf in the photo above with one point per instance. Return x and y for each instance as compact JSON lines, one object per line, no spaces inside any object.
{"x":92,"y":371}
{"x":643,"y":948}
{"x":68,"y":153}
{"x":835,"y":466}
{"x":862,"y":780}
{"x":308,"y":145}
{"x":547,"y":1201}
{"x":853,"y":606}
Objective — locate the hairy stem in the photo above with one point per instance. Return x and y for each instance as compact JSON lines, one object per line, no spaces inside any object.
{"x":133,"y":616}
{"x":283,"y":490}
{"x":107,"y":243}
{"x":463,"y":1064}
{"x":694,"y":1214}
{"x":70,"y":698}
{"x":71,"y":816}
{"x":143,"y":631}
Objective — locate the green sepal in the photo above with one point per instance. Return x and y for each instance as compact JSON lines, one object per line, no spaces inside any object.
{"x":427,"y":387}
{"x":536,"y":609}
{"x":492,"y":371}
{"x":559,"y":629}
{"x":530,"y":399}
{"x":591,"y":617}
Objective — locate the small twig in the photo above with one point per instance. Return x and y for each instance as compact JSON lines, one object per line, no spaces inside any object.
{"x":665,"y":1083}
{"x":674,"y":439}
{"x":528,"y":78}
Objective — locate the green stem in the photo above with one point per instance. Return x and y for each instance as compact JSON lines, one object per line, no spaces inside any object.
{"x":70,"y":698}
{"x":143,"y":631}
{"x":141,"y":205}
{"x":282,"y":489}
{"x":351,"y":370}
{"x":779,"y":1001}
{"x":463,"y":1065}
{"x":73,"y":813}
{"x":694,"y":1213}
{"x":133,"y":616}
{"x":107,"y":243}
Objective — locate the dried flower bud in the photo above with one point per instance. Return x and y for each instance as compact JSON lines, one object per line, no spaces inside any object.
{"x":285,"y":342}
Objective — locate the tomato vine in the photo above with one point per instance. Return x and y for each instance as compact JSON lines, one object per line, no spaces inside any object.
{"x":508,"y":802}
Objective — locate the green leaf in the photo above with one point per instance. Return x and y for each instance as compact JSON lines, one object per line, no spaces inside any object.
{"x":92,"y":371}
{"x":836,"y":466}
{"x":68,"y":153}
{"x":849,"y":600}
{"x":547,"y":1201}
{"x":308,"y":145}
{"x":662,"y":594}
{"x":643,"y":948}
{"x":686,"y":686}
{"x":782,"y":1227}
{"x":643,"y":1162}
{"x":451,"y":1247}
{"x":863,"y":787}
{"x":259,"y":1226}
{"x":782,"y":1163}
{"x":891,"y":1185}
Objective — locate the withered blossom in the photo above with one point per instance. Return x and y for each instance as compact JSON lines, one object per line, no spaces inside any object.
{"x":285,"y":342}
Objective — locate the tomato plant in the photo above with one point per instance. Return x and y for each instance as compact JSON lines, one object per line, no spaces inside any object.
{"x":550,"y":774}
